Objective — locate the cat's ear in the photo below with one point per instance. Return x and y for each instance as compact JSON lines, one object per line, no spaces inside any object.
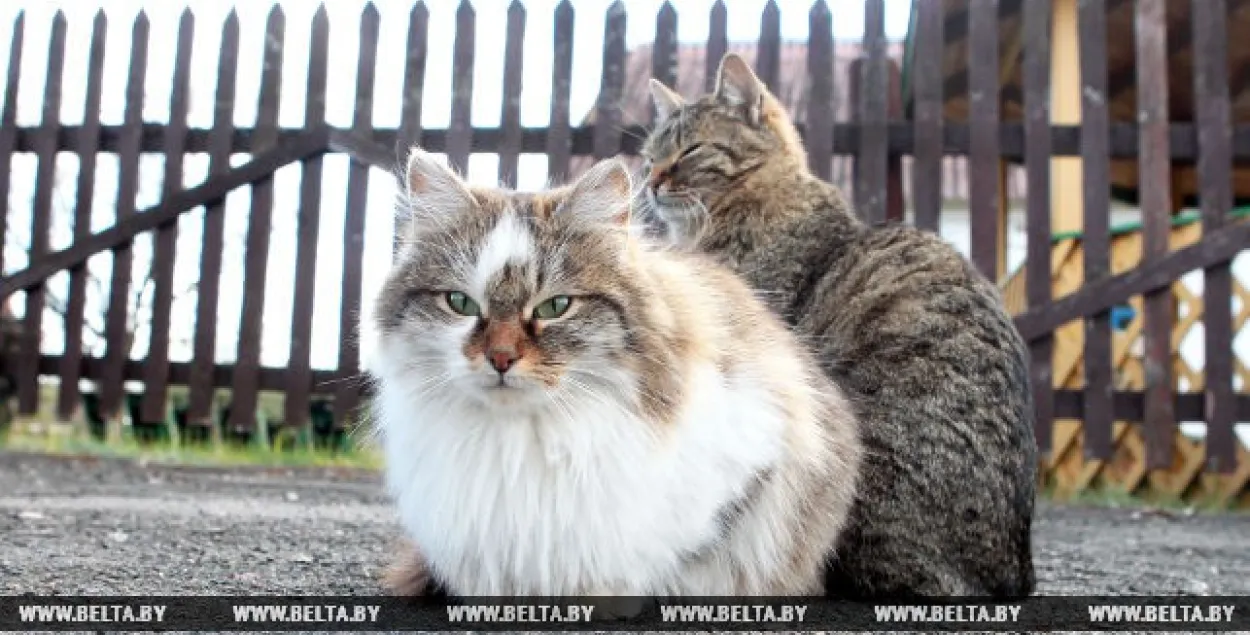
{"x":430,"y":180}
{"x":603,"y":194}
{"x":737,"y":85}
{"x":666,"y":100}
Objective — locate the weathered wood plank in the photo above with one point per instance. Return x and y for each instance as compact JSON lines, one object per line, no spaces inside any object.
{"x":298,"y":385}
{"x":717,"y":44}
{"x":510,"y":118}
{"x":558,"y":138}
{"x":156,"y":367}
{"x":41,"y":218}
{"x":1099,"y":295}
{"x":664,"y":51}
{"x":894,"y":203}
{"x":410,"y":129}
{"x":460,"y":128}
{"x":243,"y":393}
{"x":8,"y":121}
{"x":820,"y":103}
{"x":983,"y":160}
{"x":409,"y":133}
{"x":88,"y":143}
{"x":200,"y":380}
{"x":1092,"y":35}
{"x":611,"y":85}
{"x":347,"y":393}
{"x":1131,"y":405}
{"x":768,"y":50}
{"x":872,"y":101}
{"x":1065,"y":139}
{"x":1210,"y":27}
{"x":116,"y":332}
{"x":926,"y":168}
{"x":1155,"y":195}
{"x":1036,"y":76}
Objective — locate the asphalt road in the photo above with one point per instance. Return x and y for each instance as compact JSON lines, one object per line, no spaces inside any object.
{"x":96,"y":526}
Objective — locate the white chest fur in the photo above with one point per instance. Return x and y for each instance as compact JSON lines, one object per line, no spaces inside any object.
{"x":537,"y":502}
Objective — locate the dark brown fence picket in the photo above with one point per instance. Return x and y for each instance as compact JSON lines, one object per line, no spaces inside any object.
{"x":871,"y":101}
{"x":88,"y":143}
{"x":607,"y":140}
{"x":243,"y":388}
{"x":983,"y":159}
{"x":1096,"y":240}
{"x":156,"y":365}
{"x":40,"y":221}
{"x":347,"y":389}
{"x":1210,"y":28}
{"x":768,"y":52}
{"x":299,"y":368}
{"x":1036,"y":76}
{"x":202,"y":386}
{"x":664,"y":51}
{"x":414,"y":77}
{"x":116,"y":332}
{"x":510,"y":118}
{"x":409,"y":133}
{"x":460,"y":128}
{"x":926,"y":191}
{"x":8,"y":123}
{"x":820,"y":103}
{"x":559,"y":138}
{"x":1154,"y":177}
{"x":717,"y":44}
{"x":45,"y":143}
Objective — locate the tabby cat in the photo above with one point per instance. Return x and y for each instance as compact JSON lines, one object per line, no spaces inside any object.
{"x":915,"y":336}
{"x":566,"y":409}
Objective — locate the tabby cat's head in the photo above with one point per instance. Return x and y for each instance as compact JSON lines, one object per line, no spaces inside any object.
{"x":702,"y":149}
{"x":499,"y":297}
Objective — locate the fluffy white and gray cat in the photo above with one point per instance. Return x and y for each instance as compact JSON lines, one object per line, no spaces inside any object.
{"x":568,"y":410}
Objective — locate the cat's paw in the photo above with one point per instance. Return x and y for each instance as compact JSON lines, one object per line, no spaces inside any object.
{"x":408,"y":575}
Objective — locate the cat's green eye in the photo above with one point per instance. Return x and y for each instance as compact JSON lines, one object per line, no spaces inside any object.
{"x":553,"y":308}
{"x":463,"y":304}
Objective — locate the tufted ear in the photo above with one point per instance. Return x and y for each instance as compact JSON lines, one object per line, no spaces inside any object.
{"x":666,"y":100}
{"x":737,"y":85}
{"x":432,"y":192}
{"x":603,"y":194}
{"x":430,"y":178}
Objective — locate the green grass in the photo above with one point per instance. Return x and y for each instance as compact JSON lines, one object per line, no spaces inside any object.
{"x":222,"y":455}
{"x":1118,"y":498}
{"x":293,"y":448}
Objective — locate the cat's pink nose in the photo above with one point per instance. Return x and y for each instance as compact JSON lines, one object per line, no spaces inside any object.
{"x":502,"y":359}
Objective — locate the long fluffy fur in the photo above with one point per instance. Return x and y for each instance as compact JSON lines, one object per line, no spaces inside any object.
{"x":669,"y":437}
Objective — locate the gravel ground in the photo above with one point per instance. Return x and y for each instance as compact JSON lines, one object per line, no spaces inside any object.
{"x":102,"y":526}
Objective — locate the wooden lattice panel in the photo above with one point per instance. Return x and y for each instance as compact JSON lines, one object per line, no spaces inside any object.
{"x":1068,"y":471}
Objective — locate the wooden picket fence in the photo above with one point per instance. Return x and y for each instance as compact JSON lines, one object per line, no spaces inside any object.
{"x":879,"y":134}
